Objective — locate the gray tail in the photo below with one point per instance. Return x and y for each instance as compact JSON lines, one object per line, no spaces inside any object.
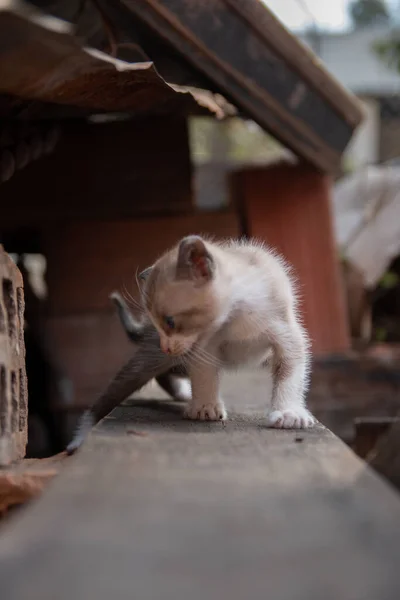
{"x":85,"y":424}
{"x":133,"y":329}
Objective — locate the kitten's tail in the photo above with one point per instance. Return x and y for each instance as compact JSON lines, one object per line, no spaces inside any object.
{"x":85,"y":424}
{"x":133,"y":329}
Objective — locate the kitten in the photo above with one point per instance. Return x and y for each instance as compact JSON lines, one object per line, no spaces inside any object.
{"x":213,"y":306}
{"x":224,"y":305}
{"x":175,"y":381}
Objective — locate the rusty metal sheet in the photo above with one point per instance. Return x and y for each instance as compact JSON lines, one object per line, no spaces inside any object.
{"x":41,"y":60}
{"x":256,"y":63}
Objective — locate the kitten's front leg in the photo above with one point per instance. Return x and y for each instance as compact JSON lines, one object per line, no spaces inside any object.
{"x":290,"y":380}
{"x":205,"y":404}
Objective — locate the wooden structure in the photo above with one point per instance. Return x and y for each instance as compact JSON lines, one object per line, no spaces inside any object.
{"x":96,"y":172}
{"x":13,"y":387}
{"x":95,"y":159}
{"x":156,"y":507}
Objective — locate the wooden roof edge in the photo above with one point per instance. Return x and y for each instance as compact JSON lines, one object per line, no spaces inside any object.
{"x":300,"y":57}
{"x":278,"y":97}
{"x":64,"y":71}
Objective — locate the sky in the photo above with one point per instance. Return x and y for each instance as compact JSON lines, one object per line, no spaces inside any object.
{"x":297,"y":14}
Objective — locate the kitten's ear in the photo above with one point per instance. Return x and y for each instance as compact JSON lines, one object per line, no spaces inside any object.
{"x":194,"y":260}
{"x":144,"y":274}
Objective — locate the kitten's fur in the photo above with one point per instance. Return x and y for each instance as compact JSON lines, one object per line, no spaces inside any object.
{"x":231,"y":304}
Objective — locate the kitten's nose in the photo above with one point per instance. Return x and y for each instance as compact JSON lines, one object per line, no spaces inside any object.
{"x":164,"y":345}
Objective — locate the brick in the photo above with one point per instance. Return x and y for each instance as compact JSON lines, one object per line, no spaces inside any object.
{"x":13,"y":383}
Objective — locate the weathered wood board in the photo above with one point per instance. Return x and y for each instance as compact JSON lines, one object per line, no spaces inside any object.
{"x":158,"y":508}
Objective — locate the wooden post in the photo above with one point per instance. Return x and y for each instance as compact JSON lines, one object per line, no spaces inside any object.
{"x":288,"y":207}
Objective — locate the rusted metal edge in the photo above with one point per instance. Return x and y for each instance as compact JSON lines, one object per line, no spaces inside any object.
{"x":300,"y":57}
{"x":41,"y":60}
{"x":250,"y":97}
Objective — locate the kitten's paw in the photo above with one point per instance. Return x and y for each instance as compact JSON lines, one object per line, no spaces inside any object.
{"x":206,"y":412}
{"x":295,"y":418}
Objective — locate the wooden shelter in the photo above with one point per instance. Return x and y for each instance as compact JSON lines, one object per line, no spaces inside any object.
{"x":96,"y":176}
{"x":95,"y":163}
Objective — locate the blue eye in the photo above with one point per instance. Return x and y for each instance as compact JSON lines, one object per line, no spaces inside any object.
{"x":169,"y":321}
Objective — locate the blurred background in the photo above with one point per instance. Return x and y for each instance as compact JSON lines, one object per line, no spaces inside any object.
{"x":97,"y":181}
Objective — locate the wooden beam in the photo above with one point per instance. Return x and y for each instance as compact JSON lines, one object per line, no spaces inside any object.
{"x":155,"y":507}
{"x":254,"y":76}
{"x":42,"y":61}
{"x":299,"y":57}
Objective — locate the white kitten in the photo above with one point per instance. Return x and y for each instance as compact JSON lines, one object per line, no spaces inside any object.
{"x":224,"y":305}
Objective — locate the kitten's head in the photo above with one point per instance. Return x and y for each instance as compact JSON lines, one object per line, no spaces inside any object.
{"x":179,"y":294}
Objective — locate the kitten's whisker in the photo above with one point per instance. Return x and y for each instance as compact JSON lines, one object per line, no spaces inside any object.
{"x":206,"y":358}
{"x":131,"y":300}
{"x":207,"y":355}
{"x":202,"y":361}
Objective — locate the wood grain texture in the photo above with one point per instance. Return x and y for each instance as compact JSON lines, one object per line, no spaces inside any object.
{"x":299,"y":57}
{"x":157,"y":508}
{"x":256,"y":75}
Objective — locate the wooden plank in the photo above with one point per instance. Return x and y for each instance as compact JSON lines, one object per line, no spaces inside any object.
{"x":155,"y":507}
{"x":253,"y":75}
{"x":105,"y":171}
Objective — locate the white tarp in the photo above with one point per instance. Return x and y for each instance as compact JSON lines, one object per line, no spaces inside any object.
{"x":366,"y":212}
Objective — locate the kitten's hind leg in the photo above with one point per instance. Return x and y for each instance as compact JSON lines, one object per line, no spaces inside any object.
{"x":176,"y":386}
{"x":290,"y":379}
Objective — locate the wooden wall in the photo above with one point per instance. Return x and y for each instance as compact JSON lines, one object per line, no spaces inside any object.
{"x":86,"y":262}
{"x":111,"y":170}
{"x":288,"y":207}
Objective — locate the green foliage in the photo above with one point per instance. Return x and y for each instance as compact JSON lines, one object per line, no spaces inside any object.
{"x":380,"y":334}
{"x":389,"y":280}
{"x":389,"y":51}
{"x":233,"y":140}
{"x":368,"y":12}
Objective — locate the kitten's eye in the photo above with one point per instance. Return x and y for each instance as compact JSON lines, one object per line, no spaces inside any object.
{"x":169,"y":321}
